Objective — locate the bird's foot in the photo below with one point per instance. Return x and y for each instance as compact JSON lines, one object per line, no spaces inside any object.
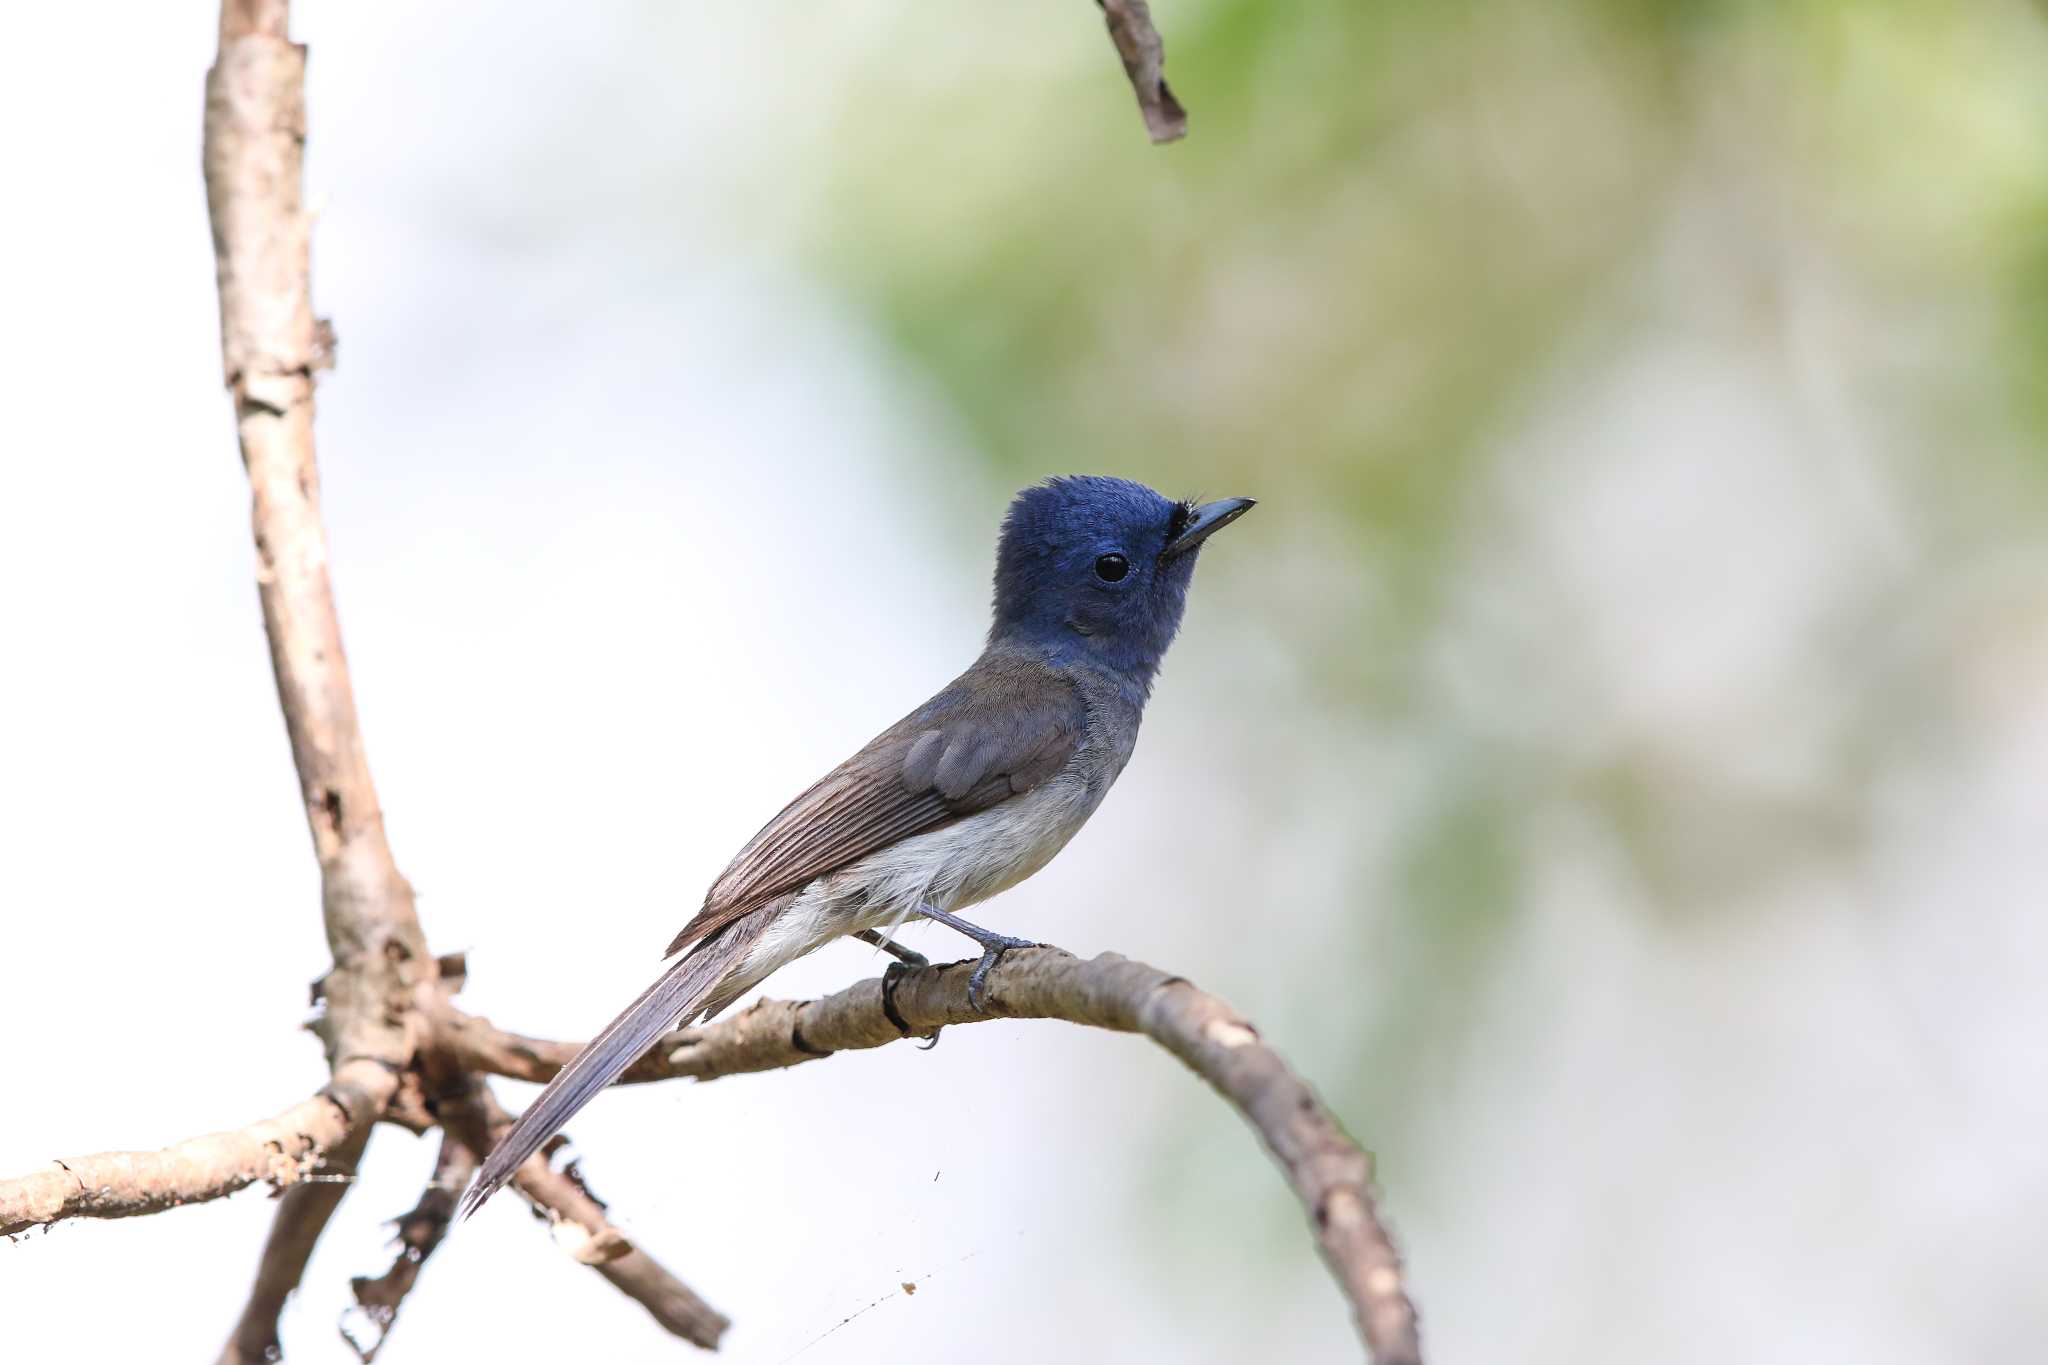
{"x":991,"y":953}
{"x":993,"y":946}
{"x":906,"y":959}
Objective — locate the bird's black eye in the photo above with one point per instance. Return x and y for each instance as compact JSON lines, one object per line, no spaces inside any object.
{"x":1112,"y":568}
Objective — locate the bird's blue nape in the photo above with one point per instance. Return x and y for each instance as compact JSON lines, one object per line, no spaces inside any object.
{"x":1082,"y":572}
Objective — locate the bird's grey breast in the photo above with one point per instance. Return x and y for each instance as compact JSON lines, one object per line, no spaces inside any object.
{"x":997,"y":848}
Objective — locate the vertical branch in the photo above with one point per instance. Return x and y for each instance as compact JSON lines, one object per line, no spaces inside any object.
{"x":271,"y":346}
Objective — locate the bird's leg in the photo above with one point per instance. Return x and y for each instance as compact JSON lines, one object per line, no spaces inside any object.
{"x":993,"y":946}
{"x":909,"y":957}
{"x":906,"y":958}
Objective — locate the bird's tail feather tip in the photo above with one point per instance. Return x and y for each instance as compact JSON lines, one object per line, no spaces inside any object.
{"x":473,"y":1199}
{"x":679,"y":991}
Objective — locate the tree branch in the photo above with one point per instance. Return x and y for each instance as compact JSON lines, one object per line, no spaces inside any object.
{"x":271,"y":348}
{"x":302,"y":1214}
{"x":271,"y":345}
{"x":1144,"y":56}
{"x":283,"y":1150}
{"x":367,"y":1325}
{"x":1330,"y":1175}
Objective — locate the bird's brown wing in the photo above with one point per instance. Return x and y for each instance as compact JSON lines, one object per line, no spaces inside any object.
{"x":1004,"y":726}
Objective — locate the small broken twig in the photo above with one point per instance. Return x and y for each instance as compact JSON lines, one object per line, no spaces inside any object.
{"x":1144,"y":54}
{"x":366,"y":1326}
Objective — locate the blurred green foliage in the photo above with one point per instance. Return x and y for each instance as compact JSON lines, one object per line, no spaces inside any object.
{"x":1338,"y":283}
{"x":1395,"y":231}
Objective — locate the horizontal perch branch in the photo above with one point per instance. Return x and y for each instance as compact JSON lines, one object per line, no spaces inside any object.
{"x":1329,"y":1173}
{"x":282,"y":1150}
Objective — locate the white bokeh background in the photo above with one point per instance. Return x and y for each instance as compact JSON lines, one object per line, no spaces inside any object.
{"x":637,"y":526}
{"x":623,"y":551}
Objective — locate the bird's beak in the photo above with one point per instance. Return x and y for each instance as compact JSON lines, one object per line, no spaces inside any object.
{"x":1206,"y":521}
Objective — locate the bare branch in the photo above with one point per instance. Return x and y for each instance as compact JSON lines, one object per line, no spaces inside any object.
{"x":367,"y":1325}
{"x":271,"y":345}
{"x":667,"y":1299}
{"x":284,"y":1150}
{"x":578,"y":1220}
{"x":240,"y":18}
{"x":302,"y":1214}
{"x":1329,"y":1173}
{"x":1144,"y":54}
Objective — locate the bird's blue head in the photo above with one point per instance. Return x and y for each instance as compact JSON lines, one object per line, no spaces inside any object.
{"x":1097,"y":569}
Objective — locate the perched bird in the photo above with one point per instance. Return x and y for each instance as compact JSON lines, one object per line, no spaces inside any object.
{"x":964,"y":797}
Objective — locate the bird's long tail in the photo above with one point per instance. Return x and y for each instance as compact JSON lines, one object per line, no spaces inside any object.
{"x":679,"y":995}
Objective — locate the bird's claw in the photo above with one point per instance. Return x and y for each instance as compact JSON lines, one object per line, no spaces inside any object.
{"x":905,"y":961}
{"x":993,"y":946}
{"x":991,"y":953}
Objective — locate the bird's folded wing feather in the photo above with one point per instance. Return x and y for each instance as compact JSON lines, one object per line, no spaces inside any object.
{"x":1003,"y":727}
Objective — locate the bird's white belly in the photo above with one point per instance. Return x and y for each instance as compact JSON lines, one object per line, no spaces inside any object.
{"x":950,"y":868}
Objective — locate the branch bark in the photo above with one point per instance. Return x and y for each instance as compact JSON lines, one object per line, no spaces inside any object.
{"x":367,"y":1325}
{"x":271,"y":346}
{"x":302,"y":1214}
{"x":1329,"y":1173}
{"x":1144,"y":56}
{"x":283,"y":1151}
